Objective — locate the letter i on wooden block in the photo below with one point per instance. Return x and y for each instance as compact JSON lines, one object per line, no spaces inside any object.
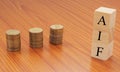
{"x":102,"y":41}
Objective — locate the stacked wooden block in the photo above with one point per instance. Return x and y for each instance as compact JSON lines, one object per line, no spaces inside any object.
{"x":102,"y":43}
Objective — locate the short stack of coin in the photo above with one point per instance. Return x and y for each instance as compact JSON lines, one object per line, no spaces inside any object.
{"x":13,"y":40}
{"x":36,"y":37}
{"x":56,"y":34}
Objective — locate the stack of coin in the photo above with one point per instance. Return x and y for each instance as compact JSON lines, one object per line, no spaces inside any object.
{"x":13,"y":40}
{"x":56,"y":34}
{"x":36,"y":37}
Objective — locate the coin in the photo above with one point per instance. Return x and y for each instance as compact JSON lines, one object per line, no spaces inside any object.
{"x":56,"y":34}
{"x":13,"y":49}
{"x":13,"y":40}
{"x":35,"y":45}
{"x":36,"y":37}
{"x":55,"y":42}
{"x":12,"y":34}
{"x":56,"y":29}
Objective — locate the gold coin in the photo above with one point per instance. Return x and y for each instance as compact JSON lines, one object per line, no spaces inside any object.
{"x":35,"y":30}
{"x":13,"y":40}
{"x":56,"y":26}
{"x":12,"y":34}
{"x":36,"y":37}
{"x":36,"y":45}
{"x":13,"y":49}
{"x":56,"y":42}
{"x":56,"y":34}
{"x":56,"y":29}
{"x":36,"y":42}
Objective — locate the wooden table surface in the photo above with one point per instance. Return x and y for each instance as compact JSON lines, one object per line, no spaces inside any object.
{"x":74,"y":54}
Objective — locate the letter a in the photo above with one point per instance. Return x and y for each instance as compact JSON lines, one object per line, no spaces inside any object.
{"x":102,"y":20}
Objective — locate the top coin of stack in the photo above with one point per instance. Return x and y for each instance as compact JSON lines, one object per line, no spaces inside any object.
{"x":36,"y":37}
{"x":56,"y":34}
{"x":13,"y":40}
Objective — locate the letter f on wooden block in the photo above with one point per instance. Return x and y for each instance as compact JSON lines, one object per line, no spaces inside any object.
{"x":102,"y":41}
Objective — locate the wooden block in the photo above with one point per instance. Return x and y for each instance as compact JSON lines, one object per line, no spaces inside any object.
{"x":104,"y":18}
{"x":104,"y":21}
{"x":102,"y":36}
{"x":102,"y":51}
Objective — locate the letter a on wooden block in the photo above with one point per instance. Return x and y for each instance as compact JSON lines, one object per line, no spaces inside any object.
{"x":104,"y":18}
{"x":102,"y":42}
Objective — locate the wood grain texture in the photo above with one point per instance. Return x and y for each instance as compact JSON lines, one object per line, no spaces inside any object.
{"x":74,"y":54}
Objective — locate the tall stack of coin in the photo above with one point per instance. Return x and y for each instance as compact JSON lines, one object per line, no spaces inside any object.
{"x":13,"y":40}
{"x":56,"y":34}
{"x":36,"y":37}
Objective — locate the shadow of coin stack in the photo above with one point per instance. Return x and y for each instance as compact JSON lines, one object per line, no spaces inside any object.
{"x":13,"y":40}
{"x":56,"y":34}
{"x":36,"y":37}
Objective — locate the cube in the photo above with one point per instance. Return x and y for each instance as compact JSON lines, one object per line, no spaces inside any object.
{"x":104,"y":18}
{"x":102,"y":51}
{"x":102,"y":36}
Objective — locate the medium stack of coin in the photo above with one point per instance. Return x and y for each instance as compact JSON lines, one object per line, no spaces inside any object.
{"x":36,"y":37}
{"x":56,"y":34}
{"x":13,"y":40}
